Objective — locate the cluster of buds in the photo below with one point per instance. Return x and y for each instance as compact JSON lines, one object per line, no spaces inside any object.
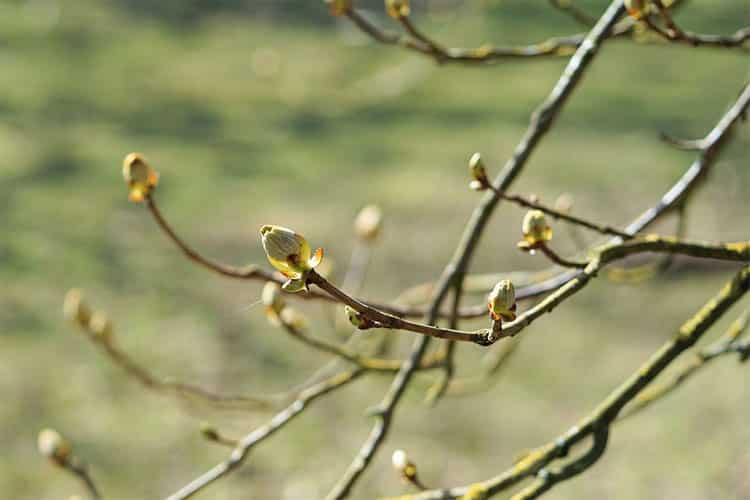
{"x":97,"y":324}
{"x":501,"y":302}
{"x":139,"y":176}
{"x":536,"y":230}
{"x":638,"y":9}
{"x":398,"y":8}
{"x":54,"y":447}
{"x":339,"y":7}
{"x":369,"y":223}
{"x":478,"y":173}
{"x":404,"y":466}
{"x":291,"y":255}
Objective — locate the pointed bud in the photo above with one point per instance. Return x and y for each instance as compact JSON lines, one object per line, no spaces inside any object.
{"x":369,"y":223}
{"x":535,"y":228}
{"x":478,"y":173}
{"x":289,"y":252}
{"x":53,"y":446}
{"x":139,"y":176}
{"x":502,"y":301}
{"x":75,"y":309}
{"x":398,"y":8}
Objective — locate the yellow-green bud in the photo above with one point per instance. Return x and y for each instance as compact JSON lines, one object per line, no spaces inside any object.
{"x":53,"y":446}
{"x":139,"y":176}
{"x":535,"y":228}
{"x":369,"y":223}
{"x":75,"y":309}
{"x":403,"y":465}
{"x":398,"y":8}
{"x":100,"y":326}
{"x":272,"y":298}
{"x":501,"y":301}
{"x":354,"y":317}
{"x":478,"y":173}
{"x":288,"y":251}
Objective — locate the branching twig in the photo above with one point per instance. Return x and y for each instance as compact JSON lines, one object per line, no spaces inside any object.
{"x":553,"y":47}
{"x":739,"y":252}
{"x":727,"y":344}
{"x":676,"y":195}
{"x":180,"y":390}
{"x":595,"y":424}
{"x":277,"y":422}
{"x":456,"y":268}
{"x":674,"y":33}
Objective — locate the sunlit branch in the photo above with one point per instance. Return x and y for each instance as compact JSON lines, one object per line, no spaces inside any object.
{"x":539,"y":462}
{"x":240,"y":453}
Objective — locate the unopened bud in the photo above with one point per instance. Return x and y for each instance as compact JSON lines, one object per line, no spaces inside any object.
{"x":75,"y":309}
{"x":139,"y":176}
{"x":501,"y":301}
{"x":535,"y":229}
{"x":478,"y":173}
{"x":400,"y":460}
{"x":369,"y":223}
{"x":289,"y":252}
{"x":397,"y":8}
{"x":53,"y":446}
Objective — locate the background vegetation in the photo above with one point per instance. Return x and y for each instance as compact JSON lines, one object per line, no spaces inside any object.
{"x":262,"y":112}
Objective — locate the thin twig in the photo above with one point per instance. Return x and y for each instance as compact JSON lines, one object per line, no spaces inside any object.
{"x":81,"y":471}
{"x":241,"y":452}
{"x":553,"y":47}
{"x":180,"y":390}
{"x":738,"y":252}
{"x":726,"y":344}
{"x":557,"y":259}
{"x":675,"y":196}
{"x":527,"y":203}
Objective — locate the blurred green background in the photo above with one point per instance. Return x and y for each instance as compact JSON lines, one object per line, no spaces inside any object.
{"x":259,"y":112}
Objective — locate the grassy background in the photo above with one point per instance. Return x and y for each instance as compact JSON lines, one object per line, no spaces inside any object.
{"x":270,"y":112}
